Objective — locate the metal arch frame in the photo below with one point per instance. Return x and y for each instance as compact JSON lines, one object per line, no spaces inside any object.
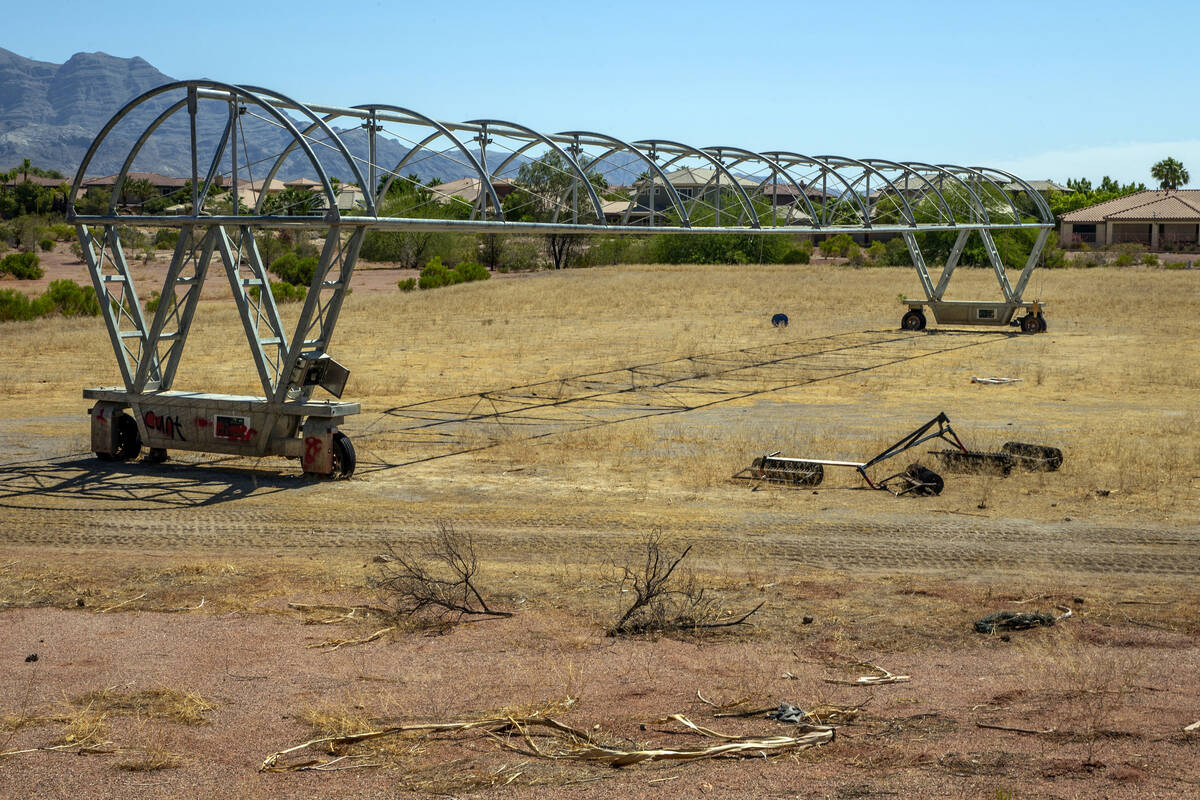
{"x":683,"y":151}
{"x":792,"y":159}
{"x":580,"y":173}
{"x":149,"y":351}
{"x":676,"y":200}
{"x":910,"y":172}
{"x":440,"y":130}
{"x":866,"y":193}
{"x":776,"y":169}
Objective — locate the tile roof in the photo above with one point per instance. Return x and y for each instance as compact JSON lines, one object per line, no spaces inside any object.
{"x":1160,"y":204}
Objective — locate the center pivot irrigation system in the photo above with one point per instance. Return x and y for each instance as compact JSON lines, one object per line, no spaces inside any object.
{"x":243,"y":138}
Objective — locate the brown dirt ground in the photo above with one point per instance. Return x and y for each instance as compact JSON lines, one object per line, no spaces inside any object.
{"x":1115,"y":536}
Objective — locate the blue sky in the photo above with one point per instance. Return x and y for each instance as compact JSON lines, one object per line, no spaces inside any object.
{"x":1047,"y":89}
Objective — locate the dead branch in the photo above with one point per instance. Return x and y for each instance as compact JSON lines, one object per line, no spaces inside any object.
{"x":1045,"y":732}
{"x":666,"y":597}
{"x":439,"y":581}
{"x":122,"y":603}
{"x":565,"y":742}
{"x":872,"y":680}
{"x":1195,"y":726}
{"x":334,"y":644}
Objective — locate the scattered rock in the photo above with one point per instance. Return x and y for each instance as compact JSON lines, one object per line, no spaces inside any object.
{"x":80,"y":602}
{"x":382,"y":559}
{"x":29,"y":659}
{"x":807,"y":621}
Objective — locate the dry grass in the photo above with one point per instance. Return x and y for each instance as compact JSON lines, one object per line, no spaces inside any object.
{"x":173,"y":705}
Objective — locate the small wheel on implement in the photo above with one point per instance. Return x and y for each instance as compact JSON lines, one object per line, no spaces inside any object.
{"x":344,"y":459}
{"x":129,"y":440}
{"x":156,"y":455}
{"x":1029,"y":324}
{"x":914,"y":320}
{"x":1041,"y":323}
{"x":925,"y":482}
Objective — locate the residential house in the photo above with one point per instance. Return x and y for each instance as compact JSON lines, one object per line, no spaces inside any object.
{"x":1158,"y":218}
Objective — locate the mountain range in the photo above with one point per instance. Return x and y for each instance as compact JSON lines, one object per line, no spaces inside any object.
{"x":50,"y":113}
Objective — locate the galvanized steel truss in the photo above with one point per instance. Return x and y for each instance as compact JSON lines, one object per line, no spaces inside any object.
{"x":731,"y":190}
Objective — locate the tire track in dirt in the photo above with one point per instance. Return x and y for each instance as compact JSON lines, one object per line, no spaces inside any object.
{"x":786,"y":539}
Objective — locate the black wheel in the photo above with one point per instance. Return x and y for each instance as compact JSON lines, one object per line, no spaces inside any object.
{"x":1035,"y":457}
{"x":927,"y":483}
{"x":913,"y":321}
{"x":344,"y":459}
{"x":1029,"y":324}
{"x":156,"y":455}
{"x":1041,"y":323}
{"x":129,"y":441}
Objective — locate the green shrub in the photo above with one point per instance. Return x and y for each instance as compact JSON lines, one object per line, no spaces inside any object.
{"x":877,"y":252}
{"x":283,"y":292}
{"x":408,"y":284}
{"x":1123,"y":260}
{"x":68,"y":298}
{"x":716,"y":248}
{"x":131,"y":237}
{"x":165,"y":239}
{"x":1150,"y":260}
{"x":46,"y":244}
{"x":293,"y":269}
{"x":15,"y":305}
{"x":839,"y":245}
{"x":796,"y":255}
{"x":472,"y":271}
{"x":895,"y":253}
{"x":22,"y":266}
{"x":152,"y":303}
{"x":435,"y":275}
{"x":61,"y":231}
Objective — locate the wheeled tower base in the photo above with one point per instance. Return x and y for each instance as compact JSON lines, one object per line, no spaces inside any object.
{"x":221,"y":423}
{"x":971,"y":312}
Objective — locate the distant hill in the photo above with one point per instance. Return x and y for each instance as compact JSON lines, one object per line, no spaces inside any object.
{"x":49,"y":113}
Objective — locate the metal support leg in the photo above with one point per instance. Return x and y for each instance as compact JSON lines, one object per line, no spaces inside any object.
{"x":989,"y":244}
{"x":118,"y":300}
{"x":951,"y":263}
{"x":918,"y":260}
{"x":314,"y":329}
{"x":1030,"y":263}
{"x":157,"y":369}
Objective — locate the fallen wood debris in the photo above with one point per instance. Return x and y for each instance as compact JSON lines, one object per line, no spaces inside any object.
{"x":556,"y":740}
{"x":1019,"y":621}
{"x":1195,"y":726}
{"x":990,"y":726}
{"x":821,"y":714}
{"x":872,"y":680}
{"x":334,"y":644}
{"x":994,"y":381}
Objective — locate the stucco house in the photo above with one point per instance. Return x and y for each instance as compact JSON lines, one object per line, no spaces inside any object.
{"x":1160,"y":219}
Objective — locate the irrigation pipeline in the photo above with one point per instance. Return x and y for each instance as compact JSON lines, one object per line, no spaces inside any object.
{"x":466,"y":423}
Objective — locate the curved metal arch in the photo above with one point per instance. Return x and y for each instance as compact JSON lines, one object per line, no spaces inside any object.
{"x":119,"y":185}
{"x":747,"y":206}
{"x":912,"y":218}
{"x":1016,"y":213}
{"x":749,"y":155}
{"x":442,"y":130}
{"x":579,"y":171}
{"x":980,"y":207}
{"x":330,"y":194}
{"x":1045,"y":214}
{"x":827,"y":169}
{"x":676,"y":200}
{"x":909,"y":171}
{"x":232,"y":89}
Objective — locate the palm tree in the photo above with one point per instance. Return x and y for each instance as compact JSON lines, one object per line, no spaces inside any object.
{"x":1170,"y":174}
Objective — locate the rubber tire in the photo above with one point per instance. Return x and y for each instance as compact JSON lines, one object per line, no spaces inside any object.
{"x":156,"y":455}
{"x":129,"y":439}
{"x":913,"y":321}
{"x":344,"y":459}
{"x":1029,"y":324}
{"x":927,"y":476}
{"x":1041,"y":323}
